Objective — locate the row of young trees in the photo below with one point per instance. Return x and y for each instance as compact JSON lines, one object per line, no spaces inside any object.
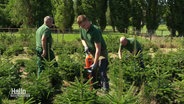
{"x":118,"y":13}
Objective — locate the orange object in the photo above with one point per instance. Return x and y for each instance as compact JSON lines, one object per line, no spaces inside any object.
{"x":88,"y":61}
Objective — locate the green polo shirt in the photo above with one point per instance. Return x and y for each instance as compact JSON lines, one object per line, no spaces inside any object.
{"x":94,"y":35}
{"x":131,"y":45}
{"x":43,"y":30}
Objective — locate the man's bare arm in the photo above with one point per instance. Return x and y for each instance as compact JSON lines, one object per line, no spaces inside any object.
{"x":97,"y":53}
{"x":84,"y":43}
{"x":44,"y":39}
{"x":120,"y":53}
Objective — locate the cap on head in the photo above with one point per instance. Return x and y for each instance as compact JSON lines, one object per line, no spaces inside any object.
{"x":81,"y":18}
{"x":123,"y":41}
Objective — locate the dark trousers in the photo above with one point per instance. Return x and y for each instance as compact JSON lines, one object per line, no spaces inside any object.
{"x":140,"y":60}
{"x":102,"y":74}
{"x":40,"y":60}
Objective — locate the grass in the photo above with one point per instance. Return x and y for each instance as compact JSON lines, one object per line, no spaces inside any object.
{"x":161,"y":31}
{"x":161,"y":42}
{"x":75,"y":35}
{"x":66,"y":37}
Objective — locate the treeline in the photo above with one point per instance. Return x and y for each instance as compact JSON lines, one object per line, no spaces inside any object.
{"x":120,"y":14}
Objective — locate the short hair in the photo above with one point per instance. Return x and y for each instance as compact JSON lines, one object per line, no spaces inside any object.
{"x":81,"y":18}
{"x":122,"y":39}
{"x":46,"y":18}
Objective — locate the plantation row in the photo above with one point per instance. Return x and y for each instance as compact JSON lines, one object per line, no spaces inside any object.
{"x":161,"y":82}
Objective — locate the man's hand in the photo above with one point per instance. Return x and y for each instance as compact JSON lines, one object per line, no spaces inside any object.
{"x":93,"y":66}
{"x":44,"y":39}
{"x":43,"y":53}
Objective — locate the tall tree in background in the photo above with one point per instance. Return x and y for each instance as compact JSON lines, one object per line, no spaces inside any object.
{"x":119,"y":10}
{"x":29,"y":13}
{"x":111,"y":8}
{"x":21,"y":12}
{"x":175,"y":14}
{"x":63,"y":14}
{"x":78,"y":7}
{"x":179,"y":17}
{"x":95,"y":10}
{"x":102,"y":8}
{"x":41,"y":9}
{"x":108,"y":19}
{"x":153,"y":15}
{"x":90,"y":10}
{"x":170,"y":16}
{"x":4,"y":16}
{"x":137,"y":15}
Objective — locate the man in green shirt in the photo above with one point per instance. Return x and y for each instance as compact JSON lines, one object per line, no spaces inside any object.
{"x":93,"y":42}
{"x":133,"y":46}
{"x":44,"y":43}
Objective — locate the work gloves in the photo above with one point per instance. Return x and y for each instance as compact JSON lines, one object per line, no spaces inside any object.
{"x":86,"y":49}
{"x":93,"y":66}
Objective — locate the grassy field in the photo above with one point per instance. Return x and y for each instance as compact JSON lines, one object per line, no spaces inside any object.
{"x":162,"y":41}
{"x":76,"y":35}
{"x":162,"y":30}
{"x":66,"y":37}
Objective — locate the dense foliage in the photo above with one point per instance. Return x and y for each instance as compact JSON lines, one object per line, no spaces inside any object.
{"x":28,"y":13}
{"x":63,"y":13}
{"x":173,"y":18}
{"x":123,"y":13}
{"x":160,"y":82}
{"x":119,"y":10}
{"x":137,"y":20}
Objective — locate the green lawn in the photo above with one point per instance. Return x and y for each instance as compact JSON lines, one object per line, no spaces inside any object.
{"x":161,"y":31}
{"x":74,"y":36}
{"x":66,"y":37}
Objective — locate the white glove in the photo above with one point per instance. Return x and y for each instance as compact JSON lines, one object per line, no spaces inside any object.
{"x":93,"y":66}
{"x":86,"y":49}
